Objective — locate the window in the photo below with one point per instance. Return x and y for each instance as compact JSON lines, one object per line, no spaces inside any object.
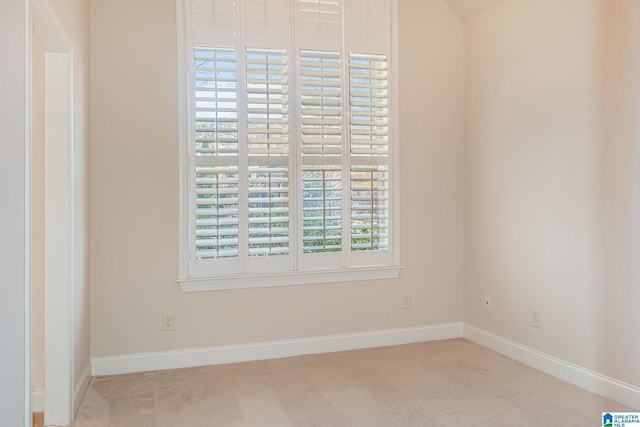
{"x":289,"y":142}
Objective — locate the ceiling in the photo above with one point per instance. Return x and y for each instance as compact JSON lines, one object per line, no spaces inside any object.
{"x":467,"y":9}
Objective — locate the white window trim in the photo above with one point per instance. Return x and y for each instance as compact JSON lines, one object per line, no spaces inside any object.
{"x":190,"y":283}
{"x":243,"y":281}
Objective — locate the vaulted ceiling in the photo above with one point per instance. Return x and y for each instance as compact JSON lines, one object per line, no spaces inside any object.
{"x":467,"y":9}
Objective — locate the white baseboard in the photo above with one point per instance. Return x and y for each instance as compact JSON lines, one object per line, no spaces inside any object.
{"x":174,"y":359}
{"x":37,"y":400}
{"x":81,"y":388}
{"x":594,"y":382}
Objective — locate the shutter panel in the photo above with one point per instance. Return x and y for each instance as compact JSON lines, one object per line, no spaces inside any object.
{"x":216,"y":102}
{"x":368,"y":26}
{"x":268,"y":152}
{"x":212,"y":21}
{"x":321,"y":107}
{"x":321,"y":119}
{"x":267,"y":104}
{"x":268,"y":211}
{"x":322,"y":209}
{"x":267,"y":23}
{"x":369,"y":208}
{"x":368,"y":107}
{"x":216,"y":212}
{"x":320,"y":24}
{"x":215,"y":144}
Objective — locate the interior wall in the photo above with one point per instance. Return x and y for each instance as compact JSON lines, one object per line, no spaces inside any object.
{"x":13,"y":225}
{"x":551,"y":160}
{"x":134,"y":204}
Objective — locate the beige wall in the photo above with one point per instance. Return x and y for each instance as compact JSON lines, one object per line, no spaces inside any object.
{"x":134,"y":203}
{"x":551,"y":154}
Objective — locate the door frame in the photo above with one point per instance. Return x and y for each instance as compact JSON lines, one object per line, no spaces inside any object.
{"x":59,"y":212}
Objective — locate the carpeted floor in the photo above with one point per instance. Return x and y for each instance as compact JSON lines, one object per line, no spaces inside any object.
{"x":38,"y":419}
{"x":442,"y":383}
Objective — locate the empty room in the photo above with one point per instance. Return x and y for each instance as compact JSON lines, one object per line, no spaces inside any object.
{"x":320,"y":212}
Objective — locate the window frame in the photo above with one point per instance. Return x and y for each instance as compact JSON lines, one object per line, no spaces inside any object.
{"x":191,"y":281}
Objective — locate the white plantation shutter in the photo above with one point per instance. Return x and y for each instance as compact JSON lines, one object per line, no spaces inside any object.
{"x":268,"y":211}
{"x":368,"y":106}
{"x":320,"y":24}
{"x":369,"y":130}
{"x":268,"y":152}
{"x":212,"y":21}
{"x":290,"y":141}
{"x":369,"y":208}
{"x":321,"y":145}
{"x":322,"y":209}
{"x":368,"y":26}
{"x":267,"y":105}
{"x":216,"y":212}
{"x":215,"y":145}
{"x":321,"y":107}
{"x":267,"y":23}
{"x":215,"y":104}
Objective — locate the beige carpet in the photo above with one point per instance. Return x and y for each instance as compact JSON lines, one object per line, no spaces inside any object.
{"x":443,"y":383}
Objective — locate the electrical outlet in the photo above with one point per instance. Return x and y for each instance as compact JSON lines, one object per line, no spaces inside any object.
{"x":406,"y":302}
{"x":168,"y":321}
{"x":487,"y":302}
{"x":535,"y":318}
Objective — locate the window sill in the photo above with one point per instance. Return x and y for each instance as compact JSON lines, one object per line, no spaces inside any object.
{"x":244,"y":281}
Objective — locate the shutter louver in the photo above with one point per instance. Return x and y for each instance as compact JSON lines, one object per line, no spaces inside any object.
{"x":321,"y":106}
{"x":368,"y":107}
{"x":216,"y":102}
{"x":321,"y":119}
{"x":215,"y":115}
{"x":369,"y":152}
{"x":213,"y":21}
{"x":268,"y":211}
{"x":268,"y":149}
{"x":369,"y":208}
{"x":267,"y":104}
{"x":216,"y":212}
{"x":322,"y":209}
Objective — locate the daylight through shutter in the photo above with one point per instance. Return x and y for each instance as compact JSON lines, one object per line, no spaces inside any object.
{"x":368,"y":106}
{"x":321,"y":119}
{"x":268,"y":149}
{"x":216,"y":148}
{"x":287,"y":173}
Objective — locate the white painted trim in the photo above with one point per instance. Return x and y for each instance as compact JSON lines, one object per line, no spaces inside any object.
{"x":396,"y":143}
{"x":28,"y":336}
{"x":594,"y":382}
{"x":59,"y":249}
{"x":184,"y":358}
{"x":37,"y":400}
{"x":241,"y":281}
{"x":81,"y":388}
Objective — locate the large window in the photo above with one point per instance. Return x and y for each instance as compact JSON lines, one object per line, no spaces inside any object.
{"x":288,"y":142}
